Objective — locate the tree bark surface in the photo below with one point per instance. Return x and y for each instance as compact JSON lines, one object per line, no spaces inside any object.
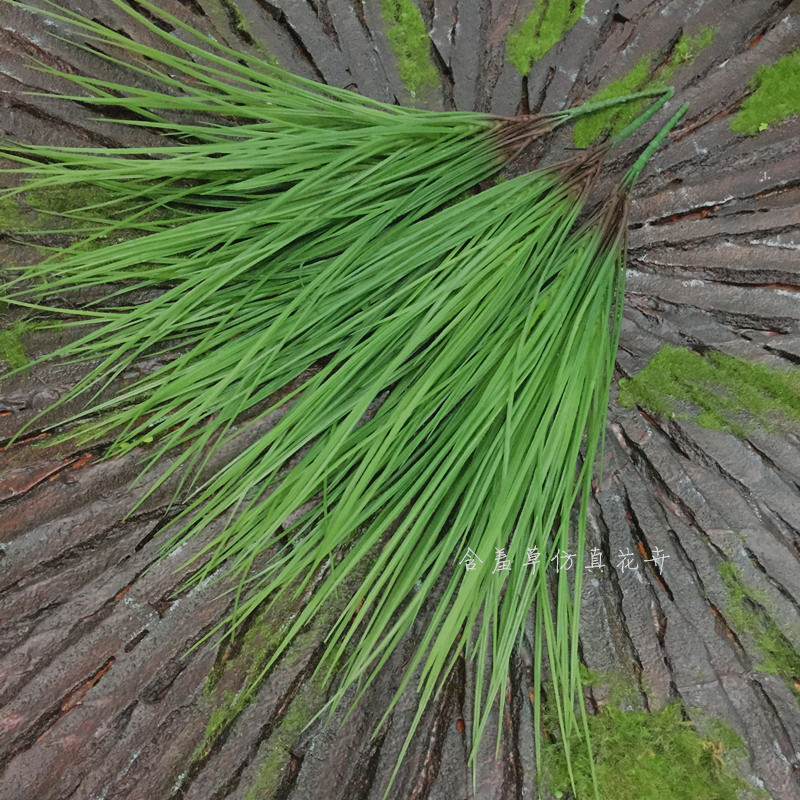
{"x":98,"y":698}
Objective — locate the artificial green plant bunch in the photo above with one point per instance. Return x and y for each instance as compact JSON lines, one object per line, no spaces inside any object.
{"x":438,"y":363}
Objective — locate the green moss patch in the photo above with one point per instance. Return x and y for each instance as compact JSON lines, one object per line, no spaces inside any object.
{"x":775,"y":96}
{"x":12,"y":350}
{"x":649,"y":72}
{"x":74,"y":217}
{"x":65,"y":199}
{"x":620,"y":690}
{"x":594,"y":126}
{"x":687,"y":49}
{"x":747,"y":612}
{"x":40,"y":208}
{"x":542,"y":29}
{"x":232,"y":683}
{"x":643,"y":755}
{"x":12,"y":218}
{"x":47,"y":209}
{"x":727,"y":393}
{"x":408,"y":37}
{"x":301,"y":712}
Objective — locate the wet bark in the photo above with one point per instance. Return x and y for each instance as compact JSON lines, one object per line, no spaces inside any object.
{"x":98,"y":697}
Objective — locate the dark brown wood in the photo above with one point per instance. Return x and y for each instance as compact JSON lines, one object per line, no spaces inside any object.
{"x":98,"y":697}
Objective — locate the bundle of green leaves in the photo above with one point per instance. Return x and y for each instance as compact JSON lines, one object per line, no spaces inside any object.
{"x":438,"y":362}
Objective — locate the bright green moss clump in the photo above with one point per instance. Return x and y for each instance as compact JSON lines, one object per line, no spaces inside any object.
{"x":646,"y":74}
{"x":728,"y":393}
{"x":592,"y":127}
{"x":645,"y":755}
{"x":409,"y":40}
{"x":687,"y":49}
{"x":746,"y":610}
{"x":776,"y":96}
{"x":543,"y":27}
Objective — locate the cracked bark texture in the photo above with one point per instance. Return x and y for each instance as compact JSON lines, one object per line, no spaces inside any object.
{"x":98,"y":698}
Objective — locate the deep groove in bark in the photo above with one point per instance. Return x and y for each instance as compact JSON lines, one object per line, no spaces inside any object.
{"x":278,"y":16}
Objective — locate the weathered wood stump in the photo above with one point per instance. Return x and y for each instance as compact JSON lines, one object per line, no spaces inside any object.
{"x":98,"y":697}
